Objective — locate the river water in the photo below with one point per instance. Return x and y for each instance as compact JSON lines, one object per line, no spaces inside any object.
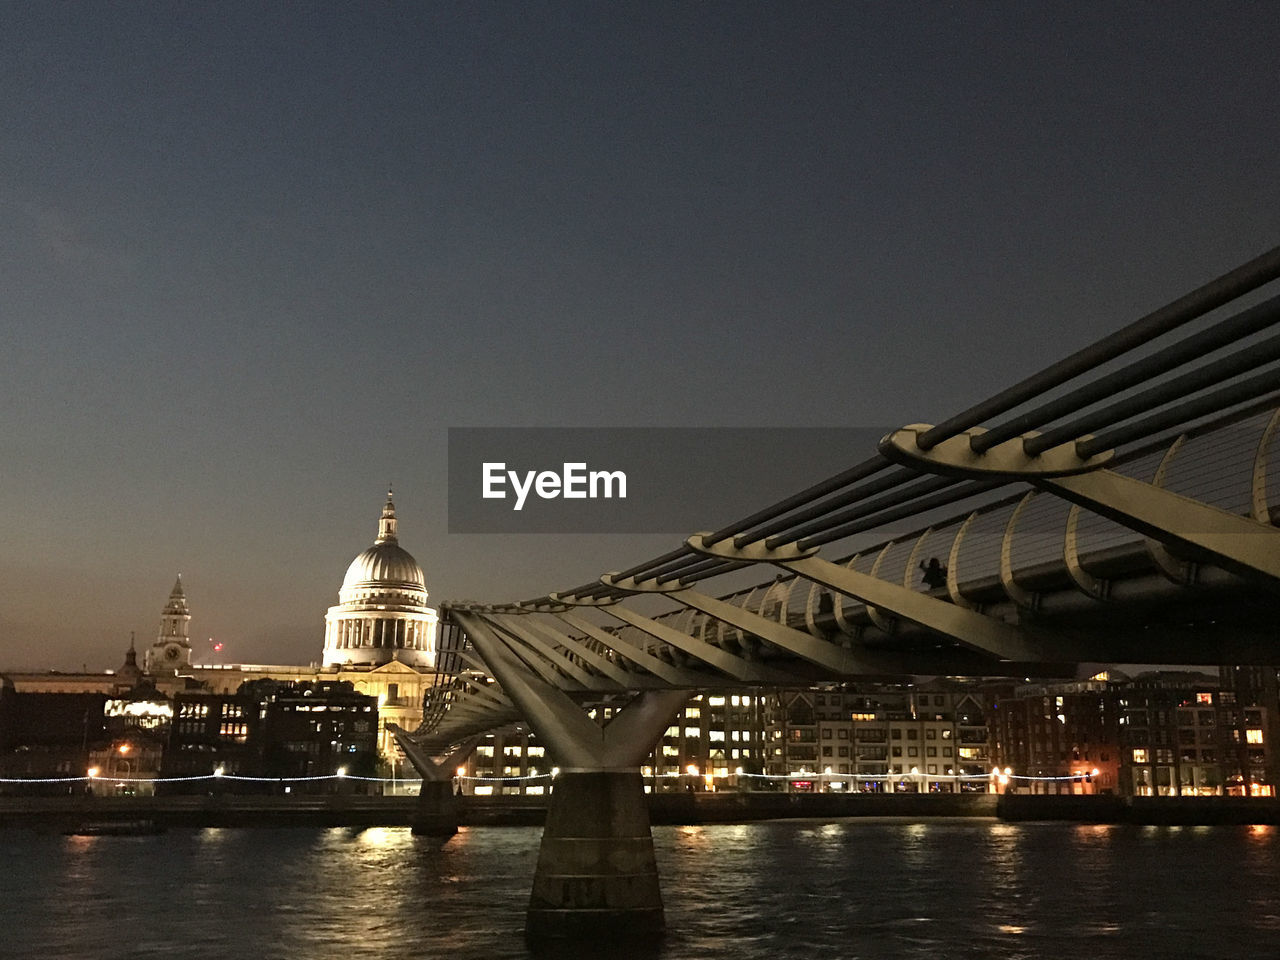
{"x":851,"y":889}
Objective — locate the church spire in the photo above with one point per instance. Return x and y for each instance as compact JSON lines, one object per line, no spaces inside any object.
{"x":387,"y":524}
{"x":172,"y":648}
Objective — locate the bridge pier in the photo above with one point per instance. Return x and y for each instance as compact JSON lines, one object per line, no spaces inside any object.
{"x":596,"y":873}
{"x":436,"y":814}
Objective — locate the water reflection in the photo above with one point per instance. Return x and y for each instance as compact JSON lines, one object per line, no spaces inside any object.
{"x":852,"y":889}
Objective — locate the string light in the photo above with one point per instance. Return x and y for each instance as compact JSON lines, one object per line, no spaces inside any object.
{"x":801,"y":775}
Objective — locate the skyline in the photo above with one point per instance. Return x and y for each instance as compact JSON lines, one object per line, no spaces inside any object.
{"x":258,"y":260}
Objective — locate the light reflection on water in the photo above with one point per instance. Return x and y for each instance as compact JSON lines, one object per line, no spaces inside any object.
{"x":851,"y":889}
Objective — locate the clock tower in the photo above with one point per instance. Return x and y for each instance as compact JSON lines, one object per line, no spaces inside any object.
{"x":171,"y":651}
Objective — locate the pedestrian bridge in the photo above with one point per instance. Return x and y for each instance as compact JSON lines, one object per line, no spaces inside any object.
{"x":1120,"y":505}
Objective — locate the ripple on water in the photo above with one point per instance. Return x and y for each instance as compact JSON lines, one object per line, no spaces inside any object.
{"x":849,"y":890}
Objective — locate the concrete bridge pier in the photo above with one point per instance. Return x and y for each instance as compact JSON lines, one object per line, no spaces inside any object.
{"x":596,"y":873}
{"x":436,"y":814}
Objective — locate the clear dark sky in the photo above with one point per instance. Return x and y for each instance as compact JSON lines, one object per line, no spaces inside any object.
{"x":256,"y":258}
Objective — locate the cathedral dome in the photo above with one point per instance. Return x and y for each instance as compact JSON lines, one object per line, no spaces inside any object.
{"x":387,"y":563}
{"x":385,"y":570}
{"x":382,"y":613}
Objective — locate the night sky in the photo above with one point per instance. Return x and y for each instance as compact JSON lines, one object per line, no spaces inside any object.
{"x":256,"y":258}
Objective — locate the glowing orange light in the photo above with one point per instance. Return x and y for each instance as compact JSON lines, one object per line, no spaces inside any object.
{"x":124,"y":748}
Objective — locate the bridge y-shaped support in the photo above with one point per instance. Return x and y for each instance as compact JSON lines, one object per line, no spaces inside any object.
{"x":437,"y":811}
{"x":596,"y":872}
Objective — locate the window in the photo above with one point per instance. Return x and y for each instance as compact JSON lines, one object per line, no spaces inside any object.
{"x":931,"y":734}
{"x":1140,"y":756}
{"x":1253,"y":736}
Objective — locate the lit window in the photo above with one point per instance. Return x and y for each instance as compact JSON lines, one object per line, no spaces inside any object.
{"x":1140,"y":755}
{"x":1253,"y":736}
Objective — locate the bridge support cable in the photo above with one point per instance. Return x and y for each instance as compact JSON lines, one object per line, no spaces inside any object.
{"x":890,"y":481}
{"x":542,"y":656}
{"x":1244,"y":279}
{"x":738,"y":668}
{"x":867,"y":468}
{"x":1221,"y":334}
{"x":1004,"y":641}
{"x":549,"y":668}
{"x":596,"y":870}
{"x":1220,"y":371}
{"x":674,"y":675}
{"x":833,"y":659}
{"x":646,"y":678}
{"x":1240,"y":544}
{"x":612,"y":676}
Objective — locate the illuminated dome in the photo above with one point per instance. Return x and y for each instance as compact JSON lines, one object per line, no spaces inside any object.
{"x":382,"y":613}
{"x":385,"y":569}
